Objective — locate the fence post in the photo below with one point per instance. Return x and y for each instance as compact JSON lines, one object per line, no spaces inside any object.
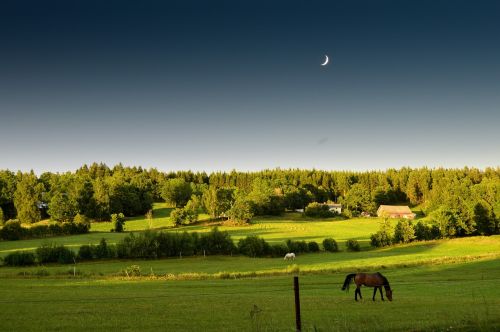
{"x":298,"y":323}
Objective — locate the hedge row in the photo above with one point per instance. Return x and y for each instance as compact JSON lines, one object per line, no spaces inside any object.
{"x":14,"y":231}
{"x":153,"y":245}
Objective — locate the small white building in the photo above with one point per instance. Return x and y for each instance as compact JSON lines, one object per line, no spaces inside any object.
{"x":333,"y":207}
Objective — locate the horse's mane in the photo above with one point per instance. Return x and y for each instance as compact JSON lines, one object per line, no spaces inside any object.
{"x":386,"y":282}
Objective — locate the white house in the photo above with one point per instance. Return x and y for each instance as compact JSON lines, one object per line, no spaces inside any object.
{"x":333,"y":207}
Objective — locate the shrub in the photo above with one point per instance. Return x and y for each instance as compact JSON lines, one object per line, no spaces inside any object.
{"x":330,"y":245}
{"x":254,"y":246}
{"x":12,"y":230}
{"x":297,"y":246}
{"x":424,"y":232}
{"x":132,"y":270}
{"x":82,"y":223}
{"x":184,"y":216}
{"x":352,"y":245}
{"x":158,"y":244}
{"x":278,"y":250}
{"x":404,"y":232}
{"x":52,"y":253}
{"x":55,"y":229}
{"x":118,"y":220}
{"x":143,"y":245}
{"x":313,"y":246}
{"x":102,"y":250}
{"x":383,"y":237}
{"x":217,"y":242}
{"x":85,"y":252}
{"x":318,"y":210}
{"x":19,"y":258}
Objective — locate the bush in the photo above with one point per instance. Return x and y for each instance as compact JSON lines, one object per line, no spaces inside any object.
{"x":424,"y":232}
{"x":52,"y":253}
{"x":158,"y":244}
{"x":253,"y":246}
{"x":82,"y":223}
{"x":318,"y":210}
{"x":132,"y":271}
{"x":383,"y":237}
{"x":102,"y":250}
{"x":118,"y":220}
{"x":19,"y":258}
{"x":217,"y":242}
{"x":313,"y":246}
{"x":279,"y":250}
{"x":85,"y":252}
{"x":352,"y":245}
{"x":184,"y":216}
{"x":12,"y":231}
{"x":330,"y":245}
{"x":297,"y":246}
{"x":404,"y":232}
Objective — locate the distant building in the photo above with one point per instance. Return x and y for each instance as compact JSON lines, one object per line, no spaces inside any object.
{"x":395,"y":211}
{"x":337,"y":208}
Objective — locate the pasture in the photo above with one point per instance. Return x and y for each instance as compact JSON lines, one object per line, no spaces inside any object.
{"x":275,"y":229}
{"x":443,"y":285}
{"x":455,"y":297}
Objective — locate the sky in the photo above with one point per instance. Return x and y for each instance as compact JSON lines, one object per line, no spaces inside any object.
{"x":222,"y":85}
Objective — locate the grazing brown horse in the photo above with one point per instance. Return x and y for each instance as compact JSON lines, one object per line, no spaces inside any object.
{"x":376,"y":280}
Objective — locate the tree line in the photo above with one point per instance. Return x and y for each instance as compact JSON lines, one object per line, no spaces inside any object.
{"x":467,"y":199}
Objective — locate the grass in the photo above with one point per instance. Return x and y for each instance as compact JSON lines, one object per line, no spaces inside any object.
{"x":457,"y":297}
{"x":161,"y":219}
{"x":421,"y":253}
{"x":444,"y":285}
{"x":273,"y":229}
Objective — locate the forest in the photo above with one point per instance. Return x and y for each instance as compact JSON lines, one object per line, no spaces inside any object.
{"x":462,"y":201}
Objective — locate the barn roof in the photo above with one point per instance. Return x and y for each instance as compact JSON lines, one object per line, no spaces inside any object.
{"x":394,"y":209}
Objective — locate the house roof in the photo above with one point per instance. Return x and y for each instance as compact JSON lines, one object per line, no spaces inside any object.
{"x":394,"y":209}
{"x":334,"y":205}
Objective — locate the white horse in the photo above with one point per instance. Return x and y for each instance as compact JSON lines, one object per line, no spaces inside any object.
{"x":288,"y":256}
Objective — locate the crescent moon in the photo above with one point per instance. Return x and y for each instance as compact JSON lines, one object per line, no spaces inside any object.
{"x":326,"y":60}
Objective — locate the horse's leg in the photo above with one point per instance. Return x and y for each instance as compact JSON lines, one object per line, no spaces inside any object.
{"x":381,"y":294}
{"x":356,"y":293}
{"x":374,"y":293}
{"x":360,"y":293}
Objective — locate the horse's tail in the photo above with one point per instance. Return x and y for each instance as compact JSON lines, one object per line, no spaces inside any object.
{"x":348,"y":280}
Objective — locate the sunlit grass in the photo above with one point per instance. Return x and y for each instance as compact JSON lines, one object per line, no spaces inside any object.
{"x":454,"y":297}
{"x":415,"y":254}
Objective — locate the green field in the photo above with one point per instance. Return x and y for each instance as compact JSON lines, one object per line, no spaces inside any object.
{"x":443,"y":285}
{"x":456,"y":297}
{"x":273,"y":229}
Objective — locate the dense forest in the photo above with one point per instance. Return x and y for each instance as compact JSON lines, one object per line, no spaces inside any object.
{"x":468,"y":199}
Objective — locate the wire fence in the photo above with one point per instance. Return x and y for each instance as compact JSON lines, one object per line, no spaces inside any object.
{"x":262,"y":289}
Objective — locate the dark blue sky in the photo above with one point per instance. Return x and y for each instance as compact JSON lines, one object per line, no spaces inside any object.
{"x":238,"y":84}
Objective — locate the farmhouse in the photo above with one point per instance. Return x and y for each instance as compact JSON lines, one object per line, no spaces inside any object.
{"x":394,"y":211}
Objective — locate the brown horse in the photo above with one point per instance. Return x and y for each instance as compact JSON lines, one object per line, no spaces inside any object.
{"x":376,"y":280}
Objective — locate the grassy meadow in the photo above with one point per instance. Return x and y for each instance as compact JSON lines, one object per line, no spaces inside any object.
{"x":273,"y":229}
{"x":443,"y":285}
{"x":456,"y":297}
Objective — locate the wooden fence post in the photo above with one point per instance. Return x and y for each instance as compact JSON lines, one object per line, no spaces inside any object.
{"x":298,"y":323}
